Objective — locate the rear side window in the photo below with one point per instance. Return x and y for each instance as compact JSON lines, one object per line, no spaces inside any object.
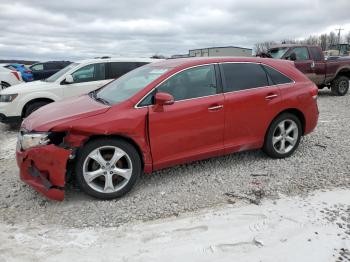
{"x":276,"y":77}
{"x":117,"y":69}
{"x":242,"y":76}
{"x":316,"y":54}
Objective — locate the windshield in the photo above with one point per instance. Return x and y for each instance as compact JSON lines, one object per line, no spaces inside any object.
{"x":60,"y":73}
{"x":277,"y":52}
{"x":129,"y":84}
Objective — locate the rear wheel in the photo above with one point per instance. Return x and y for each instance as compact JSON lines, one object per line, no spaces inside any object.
{"x":283,"y":136}
{"x":108,"y":168}
{"x":4,"y":85}
{"x":340,"y":85}
{"x":33,"y":107}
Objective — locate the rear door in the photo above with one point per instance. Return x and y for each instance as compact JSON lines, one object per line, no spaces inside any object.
{"x":193,"y":127}
{"x":251,"y":102}
{"x":86,"y":79}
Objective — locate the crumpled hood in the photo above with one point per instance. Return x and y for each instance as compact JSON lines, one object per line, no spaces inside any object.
{"x":57,"y":113}
{"x":27,"y":87}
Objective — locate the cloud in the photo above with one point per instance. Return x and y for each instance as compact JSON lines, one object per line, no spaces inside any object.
{"x":42,"y":29}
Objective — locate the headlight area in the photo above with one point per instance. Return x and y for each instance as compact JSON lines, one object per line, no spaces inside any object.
{"x":37,"y":139}
{"x":7,"y":98}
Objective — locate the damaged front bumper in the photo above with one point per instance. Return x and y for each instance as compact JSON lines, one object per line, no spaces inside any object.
{"x":44,"y":168}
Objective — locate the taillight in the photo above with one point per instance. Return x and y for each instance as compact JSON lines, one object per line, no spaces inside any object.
{"x":16,"y":75}
{"x":314,"y":92}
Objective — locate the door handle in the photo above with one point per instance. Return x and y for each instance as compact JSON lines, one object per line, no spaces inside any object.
{"x":271,"y":96}
{"x":313,"y":64}
{"x":215,"y":108}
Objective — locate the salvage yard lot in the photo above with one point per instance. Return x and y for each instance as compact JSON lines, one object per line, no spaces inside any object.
{"x":321,"y":162}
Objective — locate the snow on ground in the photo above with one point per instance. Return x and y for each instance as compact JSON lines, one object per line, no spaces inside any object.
{"x":313,"y":228}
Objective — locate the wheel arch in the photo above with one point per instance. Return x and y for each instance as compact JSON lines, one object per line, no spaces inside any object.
{"x":42,"y":99}
{"x":345,"y":71}
{"x":121,"y":137}
{"x":294,"y":111}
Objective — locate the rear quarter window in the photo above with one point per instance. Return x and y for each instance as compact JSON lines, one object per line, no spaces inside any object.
{"x":276,"y":77}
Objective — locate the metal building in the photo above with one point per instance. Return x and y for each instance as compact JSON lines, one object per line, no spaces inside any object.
{"x":222,"y":51}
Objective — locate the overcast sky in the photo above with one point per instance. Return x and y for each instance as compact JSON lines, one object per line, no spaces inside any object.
{"x":70,"y":29}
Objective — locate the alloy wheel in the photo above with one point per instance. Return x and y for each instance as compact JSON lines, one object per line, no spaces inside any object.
{"x":285,"y":136}
{"x":107,"y":169}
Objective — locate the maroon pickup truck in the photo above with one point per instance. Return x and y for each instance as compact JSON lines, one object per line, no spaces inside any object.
{"x":334,"y":74}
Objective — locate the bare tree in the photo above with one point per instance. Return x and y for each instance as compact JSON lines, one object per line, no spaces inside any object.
{"x":332,"y":39}
{"x":323,"y":42}
{"x":263,"y":47}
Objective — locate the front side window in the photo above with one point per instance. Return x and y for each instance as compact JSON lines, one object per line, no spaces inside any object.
{"x":37,"y":67}
{"x":242,"y":76}
{"x":191,"y":83}
{"x":94,"y":72}
{"x":301,"y":53}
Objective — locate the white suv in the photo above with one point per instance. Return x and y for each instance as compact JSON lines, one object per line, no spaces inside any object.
{"x":17,"y":102}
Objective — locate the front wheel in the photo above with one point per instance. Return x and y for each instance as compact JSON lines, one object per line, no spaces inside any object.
{"x":340,"y":85}
{"x":283,"y":136}
{"x":107,"y":168}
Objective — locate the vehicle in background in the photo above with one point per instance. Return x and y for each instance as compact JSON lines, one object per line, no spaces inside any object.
{"x":26,"y":73}
{"x":47,"y":69}
{"x":76,"y":79}
{"x":163,"y":114}
{"x":9,"y":77}
{"x":309,"y":59}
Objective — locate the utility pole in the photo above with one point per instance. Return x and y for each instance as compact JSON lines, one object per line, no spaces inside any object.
{"x":339,"y":30}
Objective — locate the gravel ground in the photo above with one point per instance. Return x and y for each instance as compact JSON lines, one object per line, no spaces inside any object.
{"x":321,"y":162}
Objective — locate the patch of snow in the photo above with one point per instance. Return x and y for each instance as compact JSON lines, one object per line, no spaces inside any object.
{"x":289,"y":229}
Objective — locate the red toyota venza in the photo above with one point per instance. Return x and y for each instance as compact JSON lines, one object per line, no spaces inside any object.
{"x":163,"y":114}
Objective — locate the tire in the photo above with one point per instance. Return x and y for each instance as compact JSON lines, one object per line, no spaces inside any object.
{"x":93,"y":175}
{"x":4,"y":85}
{"x":275,"y":137}
{"x":340,"y":85}
{"x":33,"y":107}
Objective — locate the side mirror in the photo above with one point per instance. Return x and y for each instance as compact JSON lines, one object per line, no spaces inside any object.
{"x":163,"y":98}
{"x":292,"y":57}
{"x":69,"y":79}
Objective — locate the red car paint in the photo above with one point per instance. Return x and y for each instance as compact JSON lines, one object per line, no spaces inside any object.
{"x":171,"y":134}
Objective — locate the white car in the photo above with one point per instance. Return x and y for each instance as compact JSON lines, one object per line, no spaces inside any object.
{"x":9,"y":77}
{"x":17,"y":102}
